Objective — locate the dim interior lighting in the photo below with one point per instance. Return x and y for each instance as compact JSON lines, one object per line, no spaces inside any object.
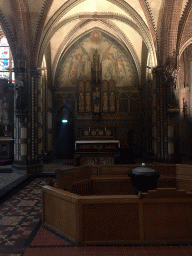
{"x":64,"y":121}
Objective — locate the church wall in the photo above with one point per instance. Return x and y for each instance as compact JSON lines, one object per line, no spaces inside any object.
{"x":102,"y":79}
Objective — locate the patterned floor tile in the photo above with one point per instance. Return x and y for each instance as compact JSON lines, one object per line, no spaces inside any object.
{"x":27,"y":202}
{"x":10,"y":221}
{"x":19,"y":216}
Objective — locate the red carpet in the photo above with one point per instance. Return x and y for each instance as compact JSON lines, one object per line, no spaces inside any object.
{"x":53,"y":251}
{"x":46,"y":243}
{"x":44,"y":237}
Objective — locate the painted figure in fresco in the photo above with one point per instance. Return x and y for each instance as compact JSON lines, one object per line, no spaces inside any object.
{"x":105,"y":101}
{"x":77,"y":68}
{"x":78,"y":71}
{"x":87,"y":86}
{"x":115,"y":65}
{"x":112,"y":102}
{"x":81,"y":86}
{"x":104,"y":85}
{"x":111,"y":85}
{"x":81,"y":102}
{"x":96,"y":37}
{"x":88,"y":102}
{"x":96,"y":100}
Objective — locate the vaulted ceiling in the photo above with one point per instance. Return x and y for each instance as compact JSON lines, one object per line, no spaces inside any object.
{"x":38,"y":27}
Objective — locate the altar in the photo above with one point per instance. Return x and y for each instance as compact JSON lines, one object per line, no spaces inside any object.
{"x":97,"y":152}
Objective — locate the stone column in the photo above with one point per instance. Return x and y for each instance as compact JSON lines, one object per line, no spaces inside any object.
{"x":20,"y":122}
{"x":26,"y":123}
{"x":160,"y":118}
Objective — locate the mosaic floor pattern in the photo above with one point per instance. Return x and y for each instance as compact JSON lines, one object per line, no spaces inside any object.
{"x":20,"y":218}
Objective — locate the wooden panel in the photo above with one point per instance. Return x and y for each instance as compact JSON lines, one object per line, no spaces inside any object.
{"x":171,"y":170}
{"x":107,"y":187}
{"x":66,"y":178}
{"x":60,"y":214}
{"x":111,"y":185}
{"x":162,"y":215}
{"x":83,"y":188}
{"x":94,"y":170}
{"x":166,"y":170}
{"x":103,"y":222}
{"x":115,"y":169}
{"x":184,"y":177}
{"x":184,"y":172}
{"x":165,"y":193}
{"x":167,"y":221}
{"x":184,"y":185}
{"x":166,"y":182}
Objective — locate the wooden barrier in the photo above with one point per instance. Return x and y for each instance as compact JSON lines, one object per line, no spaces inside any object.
{"x":66,"y":178}
{"x":110,"y":180}
{"x":184,"y":176}
{"x":155,"y":217}
{"x":163,"y":169}
{"x":60,"y":211}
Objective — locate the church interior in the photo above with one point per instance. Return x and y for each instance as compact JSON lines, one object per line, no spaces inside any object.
{"x":103,"y":85}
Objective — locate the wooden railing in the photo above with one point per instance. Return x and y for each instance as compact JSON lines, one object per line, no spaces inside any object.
{"x":162,"y":216}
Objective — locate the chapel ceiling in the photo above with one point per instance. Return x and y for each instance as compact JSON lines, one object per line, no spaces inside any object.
{"x":38,"y":25}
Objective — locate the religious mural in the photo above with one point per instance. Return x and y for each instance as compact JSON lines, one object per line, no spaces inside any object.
{"x":99,"y":52}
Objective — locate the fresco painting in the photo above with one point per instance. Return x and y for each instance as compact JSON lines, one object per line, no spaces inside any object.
{"x":116,"y":64}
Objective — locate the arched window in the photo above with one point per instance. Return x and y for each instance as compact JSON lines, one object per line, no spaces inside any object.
{"x":6,"y":60}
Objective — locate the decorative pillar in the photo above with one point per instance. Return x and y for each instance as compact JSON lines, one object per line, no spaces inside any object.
{"x":40,"y":119}
{"x":26,"y":122}
{"x":20,"y":121}
{"x":160,"y":118}
{"x":165,"y":108}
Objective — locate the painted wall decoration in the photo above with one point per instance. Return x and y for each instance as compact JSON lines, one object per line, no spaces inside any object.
{"x":96,"y":56}
{"x":96,"y":98}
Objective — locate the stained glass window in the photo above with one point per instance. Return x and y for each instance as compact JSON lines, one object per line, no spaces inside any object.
{"x":6,"y":60}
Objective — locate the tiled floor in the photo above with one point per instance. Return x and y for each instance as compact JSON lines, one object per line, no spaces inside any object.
{"x":19,"y":216}
{"x":21,"y":232}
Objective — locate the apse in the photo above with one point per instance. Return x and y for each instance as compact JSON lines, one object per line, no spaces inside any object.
{"x":114,"y":60}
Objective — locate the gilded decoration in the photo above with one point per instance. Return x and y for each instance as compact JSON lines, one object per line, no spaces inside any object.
{"x":96,"y":98}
